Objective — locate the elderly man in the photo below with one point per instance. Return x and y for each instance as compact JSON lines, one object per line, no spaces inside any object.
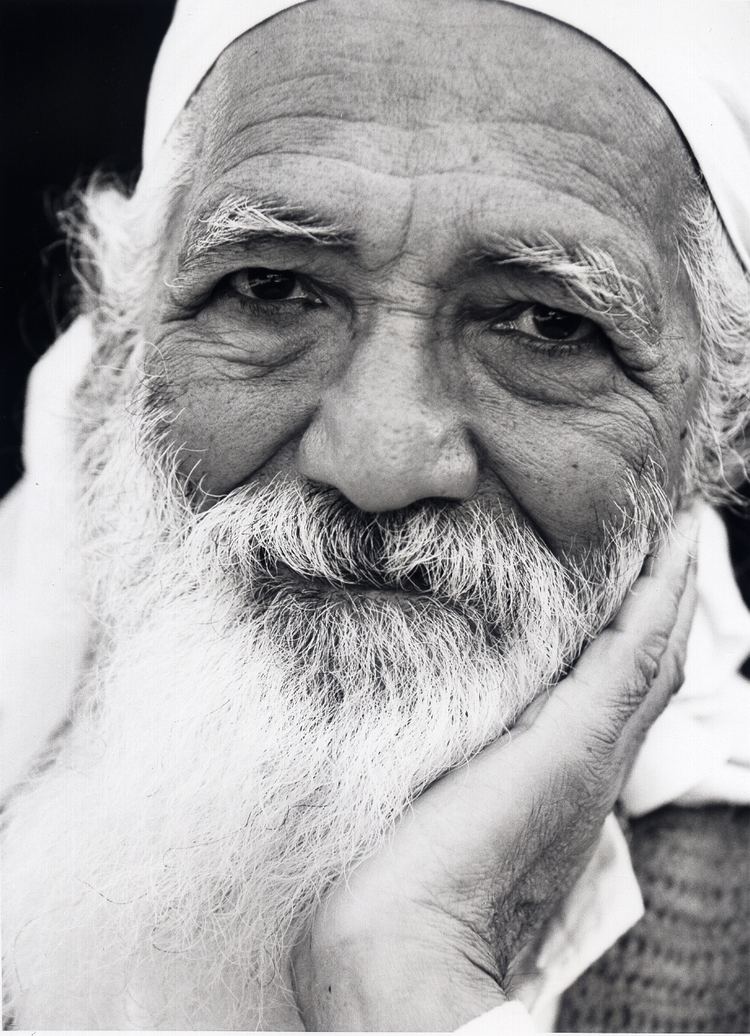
{"x":417,"y":337}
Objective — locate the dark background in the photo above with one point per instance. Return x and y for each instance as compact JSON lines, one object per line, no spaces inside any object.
{"x":74,"y":80}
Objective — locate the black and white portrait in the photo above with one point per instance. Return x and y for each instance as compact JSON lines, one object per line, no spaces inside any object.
{"x":373,"y":619}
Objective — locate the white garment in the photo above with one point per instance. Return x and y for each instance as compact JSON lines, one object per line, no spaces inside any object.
{"x":43,"y":621}
{"x":698,"y":751}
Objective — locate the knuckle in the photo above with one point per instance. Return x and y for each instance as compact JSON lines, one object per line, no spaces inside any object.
{"x":587,"y":779}
{"x":631,"y":691}
{"x":673,"y":674}
{"x":647,"y":659}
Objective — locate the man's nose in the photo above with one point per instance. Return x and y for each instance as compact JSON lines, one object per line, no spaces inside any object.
{"x":386,"y":434}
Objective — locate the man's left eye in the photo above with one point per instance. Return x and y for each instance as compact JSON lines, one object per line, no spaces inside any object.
{"x":544,"y":322}
{"x":263,"y":285}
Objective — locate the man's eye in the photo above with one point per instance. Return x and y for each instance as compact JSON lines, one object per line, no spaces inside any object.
{"x":544,"y":322}
{"x":264,"y":285}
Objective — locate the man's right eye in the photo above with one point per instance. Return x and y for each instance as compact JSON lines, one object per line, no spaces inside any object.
{"x":264,"y":285}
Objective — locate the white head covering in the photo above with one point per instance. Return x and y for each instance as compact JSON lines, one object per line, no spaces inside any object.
{"x":695,"y":54}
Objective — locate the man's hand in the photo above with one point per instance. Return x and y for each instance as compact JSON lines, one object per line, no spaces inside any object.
{"x":423,"y":934}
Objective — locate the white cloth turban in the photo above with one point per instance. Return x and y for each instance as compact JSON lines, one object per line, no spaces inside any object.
{"x":695,"y":54}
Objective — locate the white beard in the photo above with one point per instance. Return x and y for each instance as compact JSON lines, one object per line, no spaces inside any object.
{"x":240,"y":744}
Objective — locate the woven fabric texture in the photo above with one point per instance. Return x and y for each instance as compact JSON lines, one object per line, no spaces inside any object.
{"x":685,"y":967}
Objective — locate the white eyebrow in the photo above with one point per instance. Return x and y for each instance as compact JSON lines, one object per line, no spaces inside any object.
{"x":588,"y":273}
{"x":238,"y":219}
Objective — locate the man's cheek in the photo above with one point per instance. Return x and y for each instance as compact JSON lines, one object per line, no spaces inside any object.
{"x":570,"y":473}
{"x":236,"y":397}
{"x":682,"y":411}
{"x":226,"y":427}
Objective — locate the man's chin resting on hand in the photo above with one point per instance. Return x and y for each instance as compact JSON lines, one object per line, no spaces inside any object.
{"x":403,"y":373}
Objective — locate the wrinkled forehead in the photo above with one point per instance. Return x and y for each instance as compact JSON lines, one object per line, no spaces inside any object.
{"x":325,"y":98}
{"x":424,"y":44}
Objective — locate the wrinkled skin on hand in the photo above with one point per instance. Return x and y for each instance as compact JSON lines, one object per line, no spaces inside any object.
{"x":424,"y":934}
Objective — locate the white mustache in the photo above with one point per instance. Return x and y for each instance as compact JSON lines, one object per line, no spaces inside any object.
{"x":474,"y":557}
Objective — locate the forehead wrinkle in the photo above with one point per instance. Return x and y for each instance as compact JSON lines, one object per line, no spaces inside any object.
{"x":434,"y":146}
{"x":589,"y":273}
{"x":454,"y":41}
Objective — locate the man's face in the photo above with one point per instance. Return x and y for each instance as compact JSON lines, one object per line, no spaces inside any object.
{"x":485,"y":299}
